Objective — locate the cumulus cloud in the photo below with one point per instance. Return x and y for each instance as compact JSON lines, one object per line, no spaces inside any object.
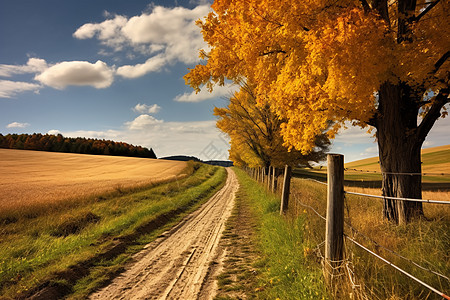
{"x":54,"y":132}
{"x":108,"y":32}
{"x":114,"y":135}
{"x":201,"y":138}
{"x":142,"y":122}
{"x":204,"y":94}
{"x":152,"y":64}
{"x":17,"y":125}
{"x":170,"y":34}
{"x":34,"y":65}
{"x":9,"y":89}
{"x":77,"y":73}
{"x":147,"y":109}
{"x":370,"y":151}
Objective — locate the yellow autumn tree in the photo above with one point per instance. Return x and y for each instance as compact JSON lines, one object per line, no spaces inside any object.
{"x":377,"y":63}
{"x":255,"y":134}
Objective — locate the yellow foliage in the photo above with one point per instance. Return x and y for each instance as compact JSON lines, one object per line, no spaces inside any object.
{"x":255,"y":133}
{"x":313,"y":62}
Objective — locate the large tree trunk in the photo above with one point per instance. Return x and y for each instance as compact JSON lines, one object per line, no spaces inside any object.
{"x":399,"y":151}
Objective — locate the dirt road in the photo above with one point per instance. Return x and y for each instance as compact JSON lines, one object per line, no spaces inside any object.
{"x":177,"y":264}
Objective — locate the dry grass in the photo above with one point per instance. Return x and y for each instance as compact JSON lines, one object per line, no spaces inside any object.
{"x":35,"y":178}
{"x":425,"y":241}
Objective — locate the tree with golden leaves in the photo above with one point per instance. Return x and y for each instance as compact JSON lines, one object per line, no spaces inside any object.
{"x":255,"y":132}
{"x":377,"y":63}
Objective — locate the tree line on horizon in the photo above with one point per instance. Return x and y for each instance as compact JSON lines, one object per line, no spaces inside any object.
{"x":59,"y":143}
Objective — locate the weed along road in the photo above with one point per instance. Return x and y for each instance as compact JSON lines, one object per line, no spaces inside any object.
{"x":177,"y":264}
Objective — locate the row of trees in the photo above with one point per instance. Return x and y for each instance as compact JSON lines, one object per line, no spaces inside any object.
{"x":255,"y":133}
{"x":59,"y":143}
{"x":382,"y":64}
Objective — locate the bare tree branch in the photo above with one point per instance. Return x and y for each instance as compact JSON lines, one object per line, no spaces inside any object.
{"x":433,"y":114}
{"x":440,"y":62}
{"x":365,"y":5}
{"x":425,"y":11}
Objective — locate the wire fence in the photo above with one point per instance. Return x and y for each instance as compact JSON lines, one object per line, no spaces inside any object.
{"x":394,"y":173}
{"x":346,"y":264}
{"x":387,"y":197}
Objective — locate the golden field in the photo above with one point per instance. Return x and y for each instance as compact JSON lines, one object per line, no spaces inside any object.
{"x":435,"y":160}
{"x":35,"y":177}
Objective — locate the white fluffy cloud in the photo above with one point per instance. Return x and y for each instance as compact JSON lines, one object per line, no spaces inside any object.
{"x":108,"y":32}
{"x":204,"y":94}
{"x":9,"y":89}
{"x":34,"y":65}
{"x":17,"y":125}
{"x":153,"y":64}
{"x":147,"y":109}
{"x":142,"y":122}
{"x":54,"y":132}
{"x":167,"y":138}
{"x":170,"y":34}
{"x":77,"y":73}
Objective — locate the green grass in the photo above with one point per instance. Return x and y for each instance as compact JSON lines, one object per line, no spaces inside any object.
{"x":33,"y":248}
{"x":287,"y":270}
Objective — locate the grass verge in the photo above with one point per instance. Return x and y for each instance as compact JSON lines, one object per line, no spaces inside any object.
{"x":73,"y":250}
{"x":280,"y":267}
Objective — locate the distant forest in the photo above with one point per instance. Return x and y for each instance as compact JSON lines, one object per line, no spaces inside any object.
{"x":59,"y":143}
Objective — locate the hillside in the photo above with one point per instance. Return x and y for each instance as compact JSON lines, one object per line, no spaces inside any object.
{"x":366,"y":172}
{"x":41,"y":177}
{"x":435,"y":160}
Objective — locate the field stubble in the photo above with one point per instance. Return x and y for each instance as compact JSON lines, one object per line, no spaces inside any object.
{"x":35,"y":178}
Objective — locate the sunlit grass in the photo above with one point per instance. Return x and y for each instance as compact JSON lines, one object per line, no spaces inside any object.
{"x":287,"y":272}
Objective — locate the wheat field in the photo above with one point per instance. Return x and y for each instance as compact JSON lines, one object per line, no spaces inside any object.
{"x":35,"y":177}
{"x":435,"y":160}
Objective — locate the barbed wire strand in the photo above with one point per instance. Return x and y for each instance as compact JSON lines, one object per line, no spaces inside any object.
{"x":395,"y":253}
{"x":314,"y":180}
{"x":394,"y":173}
{"x":399,"y":269}
{"x":377,"y":244}
{"x":402,"y":199}
{"x":312,"y":208}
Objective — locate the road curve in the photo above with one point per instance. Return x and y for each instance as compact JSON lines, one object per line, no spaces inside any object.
{"x":175,"y":266}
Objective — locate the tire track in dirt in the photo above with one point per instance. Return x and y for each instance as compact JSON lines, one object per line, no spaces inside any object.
{"x":176,"y":265}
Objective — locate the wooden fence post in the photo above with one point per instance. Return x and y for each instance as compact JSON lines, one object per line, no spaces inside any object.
{"x":286,"y":189}
{"x":268,"y":178}
{"x":274,"y":170}
{"x":334,"y":239}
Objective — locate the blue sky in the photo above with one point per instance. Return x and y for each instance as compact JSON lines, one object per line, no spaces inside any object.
{"x":114,"y":69}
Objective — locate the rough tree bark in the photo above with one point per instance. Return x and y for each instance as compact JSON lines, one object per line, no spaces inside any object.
{"x":399,"y":151}
{"x":399,"y":136}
